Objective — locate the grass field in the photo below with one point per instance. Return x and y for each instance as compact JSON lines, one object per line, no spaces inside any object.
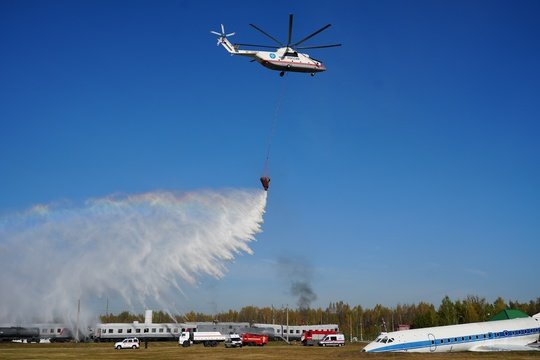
{"x":170,"y":350}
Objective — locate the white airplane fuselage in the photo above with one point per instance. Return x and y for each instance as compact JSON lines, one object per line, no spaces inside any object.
{"x":500,"y":335}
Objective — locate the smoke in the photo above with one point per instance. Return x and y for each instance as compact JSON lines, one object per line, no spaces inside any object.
{"x":144,"y":248}
{"x":299,"y":274}
{"x":302,"y":289}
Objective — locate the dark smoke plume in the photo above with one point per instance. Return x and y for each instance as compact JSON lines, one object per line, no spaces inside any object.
{"x":305,"y":294}
{"x":298,"y":272}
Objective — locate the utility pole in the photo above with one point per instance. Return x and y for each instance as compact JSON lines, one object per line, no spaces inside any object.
{"x":350,"y":327}
{"x":361,"y":335}
{"x":288,"y":324}
{"x":77,"y":326}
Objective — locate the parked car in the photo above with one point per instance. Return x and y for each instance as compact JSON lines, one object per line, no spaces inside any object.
{"x":129,"y":343}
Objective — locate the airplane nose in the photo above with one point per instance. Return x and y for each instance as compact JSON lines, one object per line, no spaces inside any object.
{"x":367,"y":348}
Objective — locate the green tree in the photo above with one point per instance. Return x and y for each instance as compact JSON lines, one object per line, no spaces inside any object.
{"x":447,"y":312}
{"x":498,"y":306}
{"x":471,"y":313}
{"x":426,"y":316}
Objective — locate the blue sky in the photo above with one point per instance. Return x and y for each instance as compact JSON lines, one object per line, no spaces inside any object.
{"x":406,"y":172}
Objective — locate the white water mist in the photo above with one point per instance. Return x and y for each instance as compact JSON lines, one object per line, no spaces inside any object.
{"x":144,"y":248}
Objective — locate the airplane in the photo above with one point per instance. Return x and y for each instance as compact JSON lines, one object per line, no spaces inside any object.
{"x":521,"y":334}
{"x":285,"y":58}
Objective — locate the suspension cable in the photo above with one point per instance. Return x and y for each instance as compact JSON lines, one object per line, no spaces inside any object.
{"x":277,"y":110}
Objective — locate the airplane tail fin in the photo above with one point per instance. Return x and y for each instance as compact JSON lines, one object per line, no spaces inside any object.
{"x":222,"y":40}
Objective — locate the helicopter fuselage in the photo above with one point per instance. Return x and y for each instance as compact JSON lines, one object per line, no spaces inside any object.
{"x":282,"y":60}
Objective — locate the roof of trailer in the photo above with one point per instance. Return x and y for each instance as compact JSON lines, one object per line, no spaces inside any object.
{"x":509,"y":314}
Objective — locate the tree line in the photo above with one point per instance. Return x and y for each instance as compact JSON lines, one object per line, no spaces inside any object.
{"x":356,"y":321}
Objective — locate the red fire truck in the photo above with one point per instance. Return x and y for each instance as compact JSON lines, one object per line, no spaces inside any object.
{"x":254,"y":339}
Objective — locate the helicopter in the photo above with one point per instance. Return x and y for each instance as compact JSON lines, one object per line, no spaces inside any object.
{"x":286,"y":56}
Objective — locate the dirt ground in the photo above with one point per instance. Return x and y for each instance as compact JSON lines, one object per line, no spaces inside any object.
{"x":171,"y":350}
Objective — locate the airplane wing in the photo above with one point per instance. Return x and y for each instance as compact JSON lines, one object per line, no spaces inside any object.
{"x":505,"y":347}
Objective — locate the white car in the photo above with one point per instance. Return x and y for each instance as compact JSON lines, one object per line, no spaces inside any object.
{"x":129,"y":343}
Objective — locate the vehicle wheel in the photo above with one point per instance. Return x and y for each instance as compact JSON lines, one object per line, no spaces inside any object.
{"x":324,"y":345}
{"x":118,"y":347}
{"x":185,"y":344}
{"x":134,"y":347}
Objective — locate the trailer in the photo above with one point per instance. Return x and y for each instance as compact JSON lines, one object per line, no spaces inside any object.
{"x":29,"y":334}
{"x":143,"y":331}
{"x":207,"y":338}
{"x":254,"y":339}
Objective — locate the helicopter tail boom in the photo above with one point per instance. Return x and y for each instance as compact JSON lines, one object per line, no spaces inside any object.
{"x":223,"y":41}
{"x":232,"y":49}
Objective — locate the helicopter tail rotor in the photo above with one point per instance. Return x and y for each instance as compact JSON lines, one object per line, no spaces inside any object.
{"x":222,"y":35}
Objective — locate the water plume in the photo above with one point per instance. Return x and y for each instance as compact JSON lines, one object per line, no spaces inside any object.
{"x":145,"y":248}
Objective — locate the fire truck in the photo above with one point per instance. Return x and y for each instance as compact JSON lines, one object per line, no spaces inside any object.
{"x":312,"y":337}
{"x":254,"y":339}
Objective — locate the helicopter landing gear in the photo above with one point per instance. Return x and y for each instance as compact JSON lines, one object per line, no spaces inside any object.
{"x":282,"y":73}
{"x":312,"y":74}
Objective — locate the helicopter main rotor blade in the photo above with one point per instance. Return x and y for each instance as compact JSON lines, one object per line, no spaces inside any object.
{"x":216,"y":33}
{"x":312,"y":35}
{"x":290,"y":29}
{"x":256,"y":45}
{"x":317,"y":47}
{"x":265,"y":33}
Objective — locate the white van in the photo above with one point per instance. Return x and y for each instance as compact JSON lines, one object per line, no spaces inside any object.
{"x":333,"y":340}
{"x":233,"y":340}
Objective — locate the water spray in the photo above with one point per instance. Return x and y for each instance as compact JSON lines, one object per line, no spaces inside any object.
{"x":143,"y":248}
